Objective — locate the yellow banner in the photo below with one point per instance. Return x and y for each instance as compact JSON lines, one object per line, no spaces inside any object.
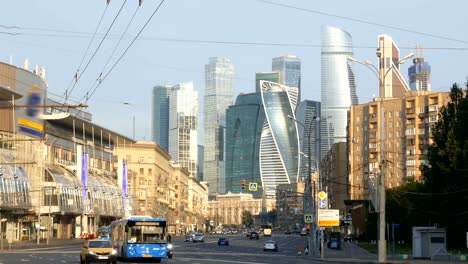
{"x":30,"y":124}
{"x":326,"y":223}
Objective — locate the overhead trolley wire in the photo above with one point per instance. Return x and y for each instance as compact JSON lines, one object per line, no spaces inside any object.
{"x":125,"y":52}
{"x":99,"y":78}
{"x":77,"y":77}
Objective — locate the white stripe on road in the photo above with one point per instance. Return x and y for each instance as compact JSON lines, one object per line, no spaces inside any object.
{"x":218,"y":260}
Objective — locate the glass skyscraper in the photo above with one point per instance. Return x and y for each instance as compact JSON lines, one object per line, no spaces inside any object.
{"x":308,"y":113}
{"x":183,"y":126}
{"x":219,"y":86}
{"x":279,"y":142}
{"x":338,"y":88}
{"x":244,"y":123}
{"x":160,"y":116}
{"x":289,"y":67}
{"x":420,"y":75}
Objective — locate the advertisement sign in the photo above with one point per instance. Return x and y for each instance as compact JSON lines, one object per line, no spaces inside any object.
{"x":30,"y":123}
{"x":328,"y":217}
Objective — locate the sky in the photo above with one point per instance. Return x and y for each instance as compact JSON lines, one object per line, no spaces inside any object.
{"x":172,"y":43}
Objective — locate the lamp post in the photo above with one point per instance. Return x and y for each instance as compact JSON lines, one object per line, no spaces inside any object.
{"x":307,"y":201}
{"x":382,"y":245}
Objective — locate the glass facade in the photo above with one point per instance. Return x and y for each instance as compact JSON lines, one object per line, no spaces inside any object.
{"x":219,"y":86}
{"x":275,"y":77}
{"x":338,"y":88}
{"x":279,"y":143}
{"x":420,"y":75}
{"x":289,"y":67}
{"x":244,"y":122}
{"x":160,"y":116}
{"x":308,"y":114}
{"x":183,"y":126}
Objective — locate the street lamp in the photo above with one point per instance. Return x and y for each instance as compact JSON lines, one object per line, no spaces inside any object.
{"x":382,"y":242}
{"x":307,"y":203}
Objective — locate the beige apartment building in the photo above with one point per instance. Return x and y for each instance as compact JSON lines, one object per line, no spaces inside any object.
{"x":227,"y":208}
{"x":163,"y":188}
{"x":408,"y":121}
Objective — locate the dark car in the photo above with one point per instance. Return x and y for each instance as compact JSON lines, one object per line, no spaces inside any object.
{"x":287,"y":232}
{"x":188,"y":237}
{"x":254,"y":235}
{"x":223,"y":241}
{"x":348,"y":238}
{"x":334,"y":243}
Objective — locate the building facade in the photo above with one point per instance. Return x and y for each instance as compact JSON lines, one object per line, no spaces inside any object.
{"x":244,"y":123}
{"x":219,"y":88}
{"x":289,"y":67}
{"x":289,"y":205}
{"x":333,"y":172}
{"x":420,"y":75}
{"x":160,"y":116}
{"x":227,"y":208}
{"x":338,"y":88}
{"x":408,"y":121}
{"x":279,"y":142}
{"x":183,"y":126}
{"x":308,"y":114}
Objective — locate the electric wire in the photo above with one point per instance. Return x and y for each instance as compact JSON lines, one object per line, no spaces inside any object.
{"x":78,"y":77}
{"x":98,"y":79}
{"x":363,"y":21}
{"x":86,"y":52}
{"x":125,"y":52}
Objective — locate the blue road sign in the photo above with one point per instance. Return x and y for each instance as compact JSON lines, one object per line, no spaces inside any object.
{"x":322,"y":204}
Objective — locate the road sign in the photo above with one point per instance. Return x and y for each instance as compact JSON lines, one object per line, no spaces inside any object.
{"x":328,"y":217}
{"x":322,"y":204}
{"x":322,"y":195}
{"x":308,"y":218}
{"x":253,"y":186}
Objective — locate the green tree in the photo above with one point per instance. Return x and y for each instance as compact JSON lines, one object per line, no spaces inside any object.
{"x":446,"y":175}
{"x":247,"y":218}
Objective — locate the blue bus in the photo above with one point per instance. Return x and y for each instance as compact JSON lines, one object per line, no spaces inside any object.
{"x":141,"y":238}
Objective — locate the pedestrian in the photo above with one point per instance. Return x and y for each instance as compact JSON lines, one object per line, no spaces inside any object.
{"x":299,"y":250}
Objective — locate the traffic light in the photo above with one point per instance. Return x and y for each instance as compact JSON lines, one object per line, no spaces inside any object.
{"x":243,"y":184}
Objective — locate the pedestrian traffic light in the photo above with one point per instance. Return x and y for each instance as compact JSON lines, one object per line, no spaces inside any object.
{"x":243,"y":184}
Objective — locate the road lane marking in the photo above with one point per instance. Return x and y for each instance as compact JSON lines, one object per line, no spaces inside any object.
{"x":219,"y":260}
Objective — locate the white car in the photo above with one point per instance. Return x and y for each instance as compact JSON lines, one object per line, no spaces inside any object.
{"x":270,"y":245}
{"x":198,"y":238}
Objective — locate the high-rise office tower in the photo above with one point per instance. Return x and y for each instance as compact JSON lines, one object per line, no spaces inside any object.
{"x":419,"y":74}
{"x":183,"y":126}
{"x":289,"y":67}
{"x":279,"y":142}
{"x":244,"y":123}
{"x":219,"y":86}
{"x":160,"y":116}
{"x":389,"y":68}
{"x":308,"y":113}
{"x":338,"y":89}
{"x":273,"y":76}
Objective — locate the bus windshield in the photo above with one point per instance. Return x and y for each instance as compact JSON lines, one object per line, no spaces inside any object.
{"x":146,"y":234}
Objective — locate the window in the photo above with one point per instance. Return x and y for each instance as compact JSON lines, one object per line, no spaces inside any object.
{"x":421,"y":109}
{"x":397,"y":123}
{"x":390,"y":134}
{"x":390,"y":114}
{"x":142,"y":171}
{"x":150,"y":172}
{"x":390,"y":124}
{"x":433,"y":118}
{"x":141,"y":159}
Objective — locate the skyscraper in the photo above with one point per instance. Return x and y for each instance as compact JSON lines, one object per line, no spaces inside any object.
{"x":160,"y":116}
{"x":273,"y":76}
{"x":308,"y":113}
{"x":244,"y":123}
{"x":338,"y":89}
{"x":219,"y":86}
{"x":289,"y":67}
{"x":183,"y":126}
{"x":279,"y":142}
{"x":419,"y":74}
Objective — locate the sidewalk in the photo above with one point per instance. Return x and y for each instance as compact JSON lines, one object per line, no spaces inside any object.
{"x":31,"y":244}
{"x":353,"y":253}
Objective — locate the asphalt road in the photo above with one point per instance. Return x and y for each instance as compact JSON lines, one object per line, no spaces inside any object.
{"x":241,"y":250}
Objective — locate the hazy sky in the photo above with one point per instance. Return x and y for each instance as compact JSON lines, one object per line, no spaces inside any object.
{"x":183,"y":34}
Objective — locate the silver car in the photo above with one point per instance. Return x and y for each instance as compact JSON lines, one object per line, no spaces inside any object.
{"x":198,"y":238}
{"x":270,"y":245}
